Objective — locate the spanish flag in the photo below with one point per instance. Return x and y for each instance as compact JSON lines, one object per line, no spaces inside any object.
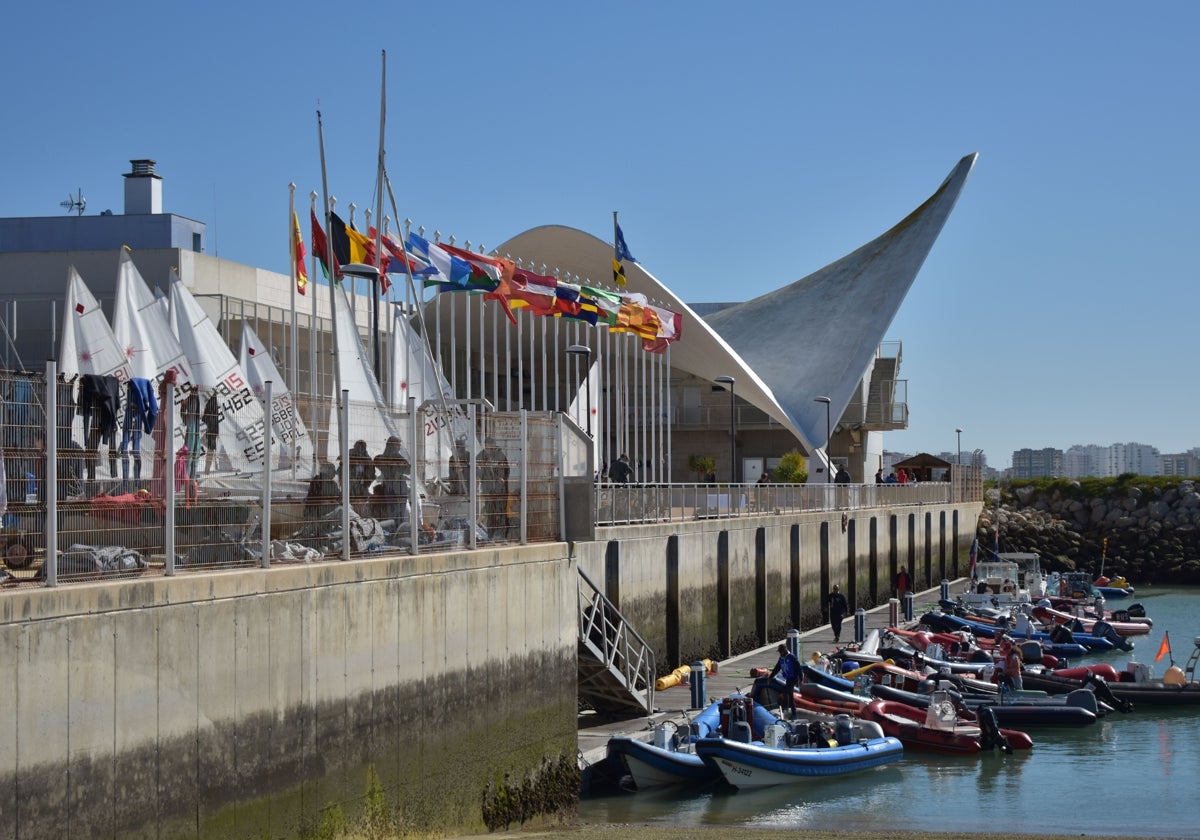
{"x":298,"y":251}
{"x":1165,"y":648}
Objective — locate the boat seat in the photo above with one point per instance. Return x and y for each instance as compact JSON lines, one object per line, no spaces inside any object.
{"x":739,"y":730}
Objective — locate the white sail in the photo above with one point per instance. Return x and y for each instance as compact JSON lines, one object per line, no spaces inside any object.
{"x":295,"y":445}
{"x":88,"y":345}
{"x":142,"y":329}
{"x":416,"y":375}
{"x":242,"y":429}
{"x":369,"y":419}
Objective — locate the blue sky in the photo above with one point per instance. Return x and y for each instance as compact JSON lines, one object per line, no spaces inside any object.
{"x":743,"y":149}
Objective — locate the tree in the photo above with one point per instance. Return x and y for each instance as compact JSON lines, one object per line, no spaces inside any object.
{"x":702,"y":465}
{"x":792,"y":469}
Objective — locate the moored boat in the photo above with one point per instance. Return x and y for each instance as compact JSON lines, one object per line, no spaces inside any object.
{"x":670,"y":757}
{"x":790,"y":756}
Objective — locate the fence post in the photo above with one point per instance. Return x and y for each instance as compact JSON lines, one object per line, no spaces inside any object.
{"x":265,"y":562}
{"x":50,"y":480}
{"x":414,"y":494}
{"x":344,"y":446}
{"x":164,"y":456}
{"x":524,"y":507}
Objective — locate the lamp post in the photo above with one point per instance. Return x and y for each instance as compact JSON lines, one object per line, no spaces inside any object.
{"x":828,"y":435}
{"x":957,"y":464}
{"x":728,"y":380}
{"x":578,"y":350}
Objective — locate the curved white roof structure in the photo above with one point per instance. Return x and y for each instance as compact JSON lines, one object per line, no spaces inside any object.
{"x":845,"y":307}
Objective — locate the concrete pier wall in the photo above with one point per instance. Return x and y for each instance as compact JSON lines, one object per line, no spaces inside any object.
{"x":713,"y":587}
{"x":432,"y":694}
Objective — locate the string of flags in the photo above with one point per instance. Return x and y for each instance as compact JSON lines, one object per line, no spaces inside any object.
{"x":447,"y":269}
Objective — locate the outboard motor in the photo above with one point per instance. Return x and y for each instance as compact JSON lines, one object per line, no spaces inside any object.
{"x":1104,"y":630}
{"x":990,"y":735}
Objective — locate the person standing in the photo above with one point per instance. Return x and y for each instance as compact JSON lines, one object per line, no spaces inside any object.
{"x":1012,"y":666}
{"x":903,"y":584}
{"x":492,"y":465}
{"x":788,"y":667}
{"x":622,"y":470}
{"x":838,"y":607}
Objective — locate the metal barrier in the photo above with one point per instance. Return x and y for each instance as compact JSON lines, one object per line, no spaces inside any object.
{"x":87,"y":508}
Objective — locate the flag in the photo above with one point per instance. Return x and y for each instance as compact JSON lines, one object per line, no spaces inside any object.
{"x":321,"y":247}
{"x":452,"y":269}
{"x":1165,"y":648}
{"x":618,"y":273}
{"x":670,"y":328}
{"x":536,"y":291}
{"x":298,"y":251}
{"x":620,"y":253}
{"x":622,"y":248}
{"x":349,"y":246}
{"x":974,"y":558}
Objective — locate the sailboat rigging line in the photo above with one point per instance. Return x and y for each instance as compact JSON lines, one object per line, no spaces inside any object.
{"x":418,"y":308}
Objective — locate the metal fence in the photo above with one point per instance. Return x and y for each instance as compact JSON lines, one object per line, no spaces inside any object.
{"x":96,"y":505}
{"x":628,"y":504}
{"x":86,"y":508}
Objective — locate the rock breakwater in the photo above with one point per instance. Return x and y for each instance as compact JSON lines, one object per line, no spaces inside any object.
{"x":1145,"y":528}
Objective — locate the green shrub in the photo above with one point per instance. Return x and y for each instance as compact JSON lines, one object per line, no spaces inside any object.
{"x":791,"y":469}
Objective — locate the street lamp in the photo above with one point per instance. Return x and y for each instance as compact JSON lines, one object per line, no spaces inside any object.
{"x":957,"y":464}
{"x":828,"y":435}
{"x":728,"y":380}
{"x":578,"y":350}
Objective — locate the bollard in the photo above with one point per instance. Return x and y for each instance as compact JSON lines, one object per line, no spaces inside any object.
{"x":945,"y":591}
{"x":893,"y":612}
{"x":793,"y":643}
{"x":909,"y":601}
{"x":860,"y":625}
{"x":697,"y":683}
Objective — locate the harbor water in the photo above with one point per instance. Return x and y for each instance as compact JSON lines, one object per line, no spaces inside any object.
{"x":1130,"y":774}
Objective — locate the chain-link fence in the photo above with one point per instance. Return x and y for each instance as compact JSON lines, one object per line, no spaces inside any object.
{"x":87,"y":508}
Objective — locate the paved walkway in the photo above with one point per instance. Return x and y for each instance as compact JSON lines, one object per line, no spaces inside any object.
{"x":733,"y":675}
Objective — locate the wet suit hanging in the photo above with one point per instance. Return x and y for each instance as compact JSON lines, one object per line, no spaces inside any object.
{"x":212,"y":429}
{"x":99,"y":400}
{"x":190,"y":412}
{"x":141,"y":409}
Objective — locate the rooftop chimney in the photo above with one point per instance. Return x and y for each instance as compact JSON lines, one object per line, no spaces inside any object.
{"x":143,"y":189}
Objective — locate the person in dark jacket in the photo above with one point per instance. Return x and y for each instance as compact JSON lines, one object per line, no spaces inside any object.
{"x":361,"y":473}
{"x":621,"y":471}
{"x":838,"y":607}
{"x":787,"y":667}
{"x":212,"y":430}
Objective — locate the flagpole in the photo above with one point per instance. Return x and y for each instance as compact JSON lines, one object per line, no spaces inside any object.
{"x":313,"y":337}
{"x":295,"y":355}
{"x":377,"y":286}
{"x":337,"y":373}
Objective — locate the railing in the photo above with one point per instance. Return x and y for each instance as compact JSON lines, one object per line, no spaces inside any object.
{"x":630,"y":504}
{"x":620,"y":653}
{"x":88,"y":508}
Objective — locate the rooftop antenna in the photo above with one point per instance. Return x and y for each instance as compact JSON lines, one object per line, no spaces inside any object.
{"x":74,"y":202}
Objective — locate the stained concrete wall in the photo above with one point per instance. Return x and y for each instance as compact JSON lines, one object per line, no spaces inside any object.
{"x":715,"y":587}
{"x":263,"y":703}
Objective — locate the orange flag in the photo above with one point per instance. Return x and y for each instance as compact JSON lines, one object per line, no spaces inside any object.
{"x":298,"y":250}
{"x":1165,"y":648}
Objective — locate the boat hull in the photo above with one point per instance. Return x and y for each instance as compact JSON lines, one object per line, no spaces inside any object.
{"x":754,"y":765}
{"x":652,"y":766}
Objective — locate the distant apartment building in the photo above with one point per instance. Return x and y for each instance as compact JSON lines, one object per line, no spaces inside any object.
{"x":1037,"y":463}
{"x":1183,"y":464}
{"x":1084,"y":461}
{"x":1137,"y":458}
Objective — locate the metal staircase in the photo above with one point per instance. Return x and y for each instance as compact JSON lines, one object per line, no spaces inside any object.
{"x":616,"y":665}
